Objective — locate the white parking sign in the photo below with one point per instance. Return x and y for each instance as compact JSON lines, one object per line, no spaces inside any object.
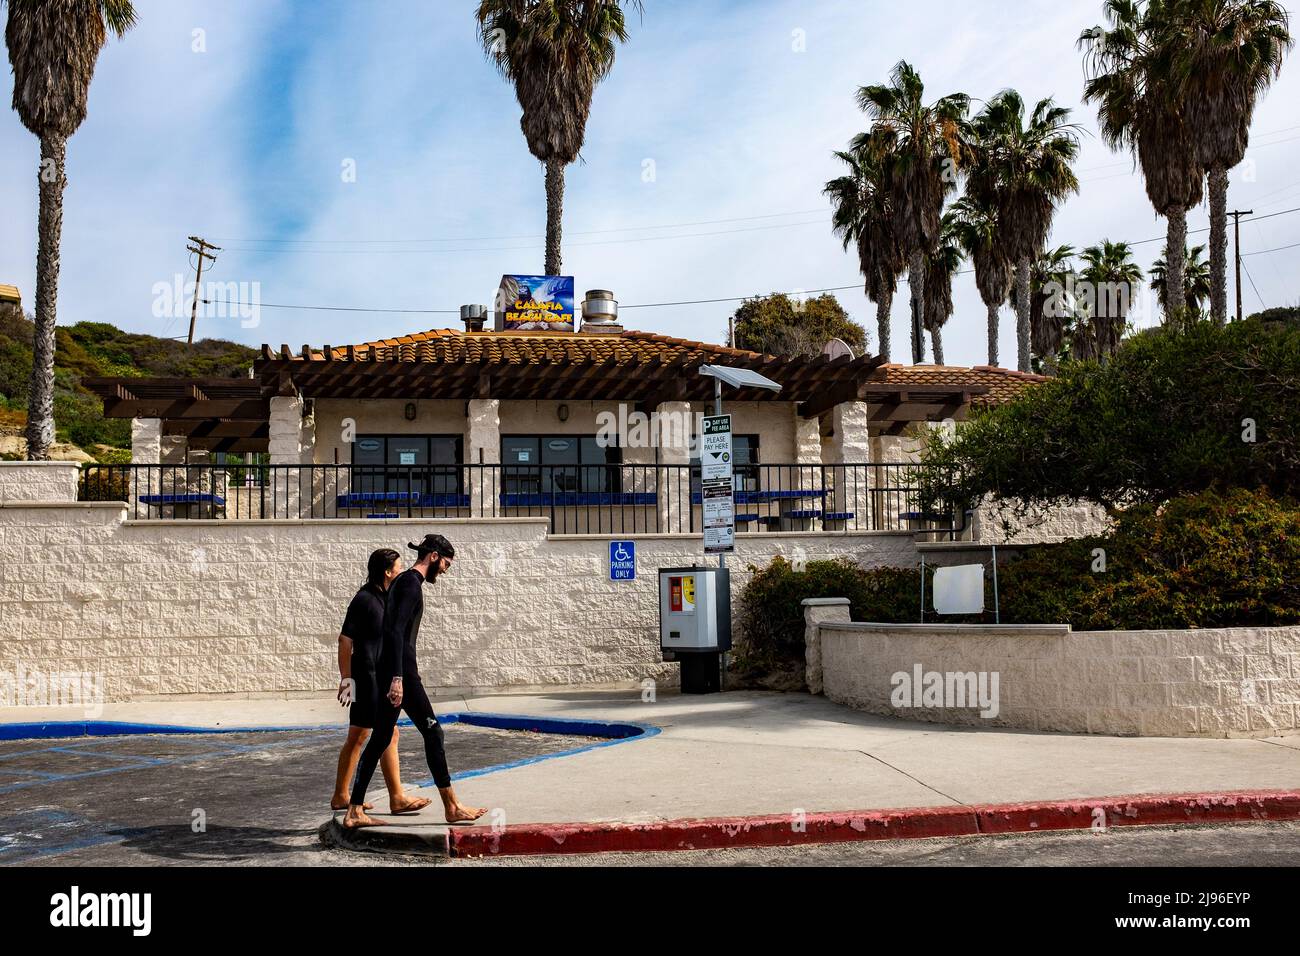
{"x":717,"y":498}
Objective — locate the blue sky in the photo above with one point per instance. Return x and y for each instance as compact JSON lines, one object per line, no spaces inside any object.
{"x":736,"y":108}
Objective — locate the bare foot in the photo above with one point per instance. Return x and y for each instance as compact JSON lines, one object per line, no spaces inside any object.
{"x":405,"y":804}
{"x":459,"y":813}
{"x":337,"y":804}
{"x":358,"y":818}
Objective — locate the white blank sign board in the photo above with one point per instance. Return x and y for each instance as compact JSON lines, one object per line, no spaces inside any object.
{"x":959,"y":590}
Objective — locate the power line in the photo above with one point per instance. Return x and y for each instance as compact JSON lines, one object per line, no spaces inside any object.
{"x":1253,"y":286}
{"x":660,"y":305}
{"x":1262,"y":252}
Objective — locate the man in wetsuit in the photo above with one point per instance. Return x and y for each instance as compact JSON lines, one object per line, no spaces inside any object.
{"x":360,"y":641}
{"x":398,"y":672}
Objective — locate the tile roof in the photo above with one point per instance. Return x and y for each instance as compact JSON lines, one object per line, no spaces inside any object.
{"x":9,"y":293}
{"x":1003,"y":384}
{"x":522,"y":348}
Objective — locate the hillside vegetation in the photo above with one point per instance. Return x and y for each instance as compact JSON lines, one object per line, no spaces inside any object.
{"x":92,"y":349}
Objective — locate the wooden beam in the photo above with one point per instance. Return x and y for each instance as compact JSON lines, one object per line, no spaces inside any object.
{"x":188,"y":409}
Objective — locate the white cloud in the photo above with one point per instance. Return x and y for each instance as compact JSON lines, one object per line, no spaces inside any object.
{"x":247,"y":140}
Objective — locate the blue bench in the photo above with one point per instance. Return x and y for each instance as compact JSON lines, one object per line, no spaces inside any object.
{"x":922,"y":516}
{"x":563,"y":499}
{"x":838,"y":516}
{"x":191,"y":498}
{"x":416,"y":499}
{"x":758,"y":497}
{"x":384,"y":515}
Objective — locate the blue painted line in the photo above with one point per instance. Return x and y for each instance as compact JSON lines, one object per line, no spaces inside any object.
{"x":609,"y":733}
{"x":142,"y":759}
{"x":617,"y":733}
{"x":30,"y":773}
{"x":12,"y":851}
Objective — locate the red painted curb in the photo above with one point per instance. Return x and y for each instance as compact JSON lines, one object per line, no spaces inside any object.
{"x":856,"y":826}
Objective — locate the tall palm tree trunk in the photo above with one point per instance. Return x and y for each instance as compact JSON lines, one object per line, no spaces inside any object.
{"x":993,"y":335}
{"x":1219,"y":244}
{"x":554,"y":214}
{"x":883,"y":308}
{"x":936,"y":342}
{"x":1022,"y":314}
{"x":40,"y":402}
{"x":916,"y":283}
{"x":1175,"y":265}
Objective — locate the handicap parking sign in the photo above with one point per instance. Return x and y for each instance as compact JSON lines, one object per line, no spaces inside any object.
{"x":622,"y":560}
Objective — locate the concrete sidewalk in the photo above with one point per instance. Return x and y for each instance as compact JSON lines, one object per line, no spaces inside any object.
{"x":755,"y":753}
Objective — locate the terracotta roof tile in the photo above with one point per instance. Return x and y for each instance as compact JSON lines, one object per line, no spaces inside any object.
{"x":524,"y":348}
{"x":1003,"y":384}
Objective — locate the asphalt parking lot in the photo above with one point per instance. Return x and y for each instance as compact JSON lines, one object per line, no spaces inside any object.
{"x":208,"y":799}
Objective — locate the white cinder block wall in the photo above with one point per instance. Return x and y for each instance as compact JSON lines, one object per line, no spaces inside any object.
{"x":1209,"y":683}
{"x":254,"y":607}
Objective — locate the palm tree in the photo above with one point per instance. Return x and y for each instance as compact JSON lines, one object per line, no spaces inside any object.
{"x":555,"y":52}
{"x":1197,"y":284}
{"x":1130,"y":70}
{"x":53,"y":49}
{"x":1023,"y":171}
{"x":1110,"y":280}
{"x":975,"y":222}
{"x":1226,"y":54}
{"x":941,"y":265}
{"x":922,"y":148}
{"x":1052,"y":302}
{"x":862,"y":214}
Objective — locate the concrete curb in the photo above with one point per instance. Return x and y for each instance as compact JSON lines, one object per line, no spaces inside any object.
{"x":415,"y":841}
{"x":900,"y":824}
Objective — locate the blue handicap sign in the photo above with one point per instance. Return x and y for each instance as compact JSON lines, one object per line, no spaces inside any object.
{"x":622,"y":560}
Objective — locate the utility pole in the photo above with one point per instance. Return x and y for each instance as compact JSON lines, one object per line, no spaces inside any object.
{"x":200,"y":248}
{"x":1236,"y":215}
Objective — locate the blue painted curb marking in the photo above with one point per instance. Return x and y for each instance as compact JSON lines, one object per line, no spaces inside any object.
{"x":609,"y":733}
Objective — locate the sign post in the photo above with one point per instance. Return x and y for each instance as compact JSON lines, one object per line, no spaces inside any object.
{"x":717,"y":491}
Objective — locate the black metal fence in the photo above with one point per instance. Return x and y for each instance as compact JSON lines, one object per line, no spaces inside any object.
{"x":577,"y":499}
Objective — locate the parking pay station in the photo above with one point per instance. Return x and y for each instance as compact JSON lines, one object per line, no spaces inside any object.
{"x":695,"y":624}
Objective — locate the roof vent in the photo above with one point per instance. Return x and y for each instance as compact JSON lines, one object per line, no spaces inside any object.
{"x":600,"y":312}
{"x":473,"y":316}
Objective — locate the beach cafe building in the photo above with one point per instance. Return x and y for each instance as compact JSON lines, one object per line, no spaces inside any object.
{"x":594,"y":428}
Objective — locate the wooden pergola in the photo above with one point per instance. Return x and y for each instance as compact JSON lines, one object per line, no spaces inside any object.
{"x":647,"y":370}
{"x":218,"y":414}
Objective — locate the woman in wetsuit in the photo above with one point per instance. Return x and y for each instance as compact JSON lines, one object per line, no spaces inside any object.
{"x":399,"y":681}
{"x":359,"y":644}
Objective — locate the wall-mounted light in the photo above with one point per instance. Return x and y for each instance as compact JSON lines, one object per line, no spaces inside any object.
{"x":563,"y":413}
{"x":410,"y":411}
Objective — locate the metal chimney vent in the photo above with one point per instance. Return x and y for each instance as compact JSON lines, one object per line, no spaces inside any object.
{"x":473,"y":316}
{"x":599,"y":308}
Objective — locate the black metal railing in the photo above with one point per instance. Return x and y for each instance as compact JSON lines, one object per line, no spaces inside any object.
{"x":576,"y":499}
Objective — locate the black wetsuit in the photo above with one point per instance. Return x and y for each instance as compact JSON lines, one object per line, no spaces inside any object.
{"x":364,"y":624}
{"x":405,"y":608}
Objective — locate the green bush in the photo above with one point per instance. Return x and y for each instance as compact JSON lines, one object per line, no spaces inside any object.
{"x":1166,"y":416}
{"x":1212,"y":560}
{"x":770,"y":609}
